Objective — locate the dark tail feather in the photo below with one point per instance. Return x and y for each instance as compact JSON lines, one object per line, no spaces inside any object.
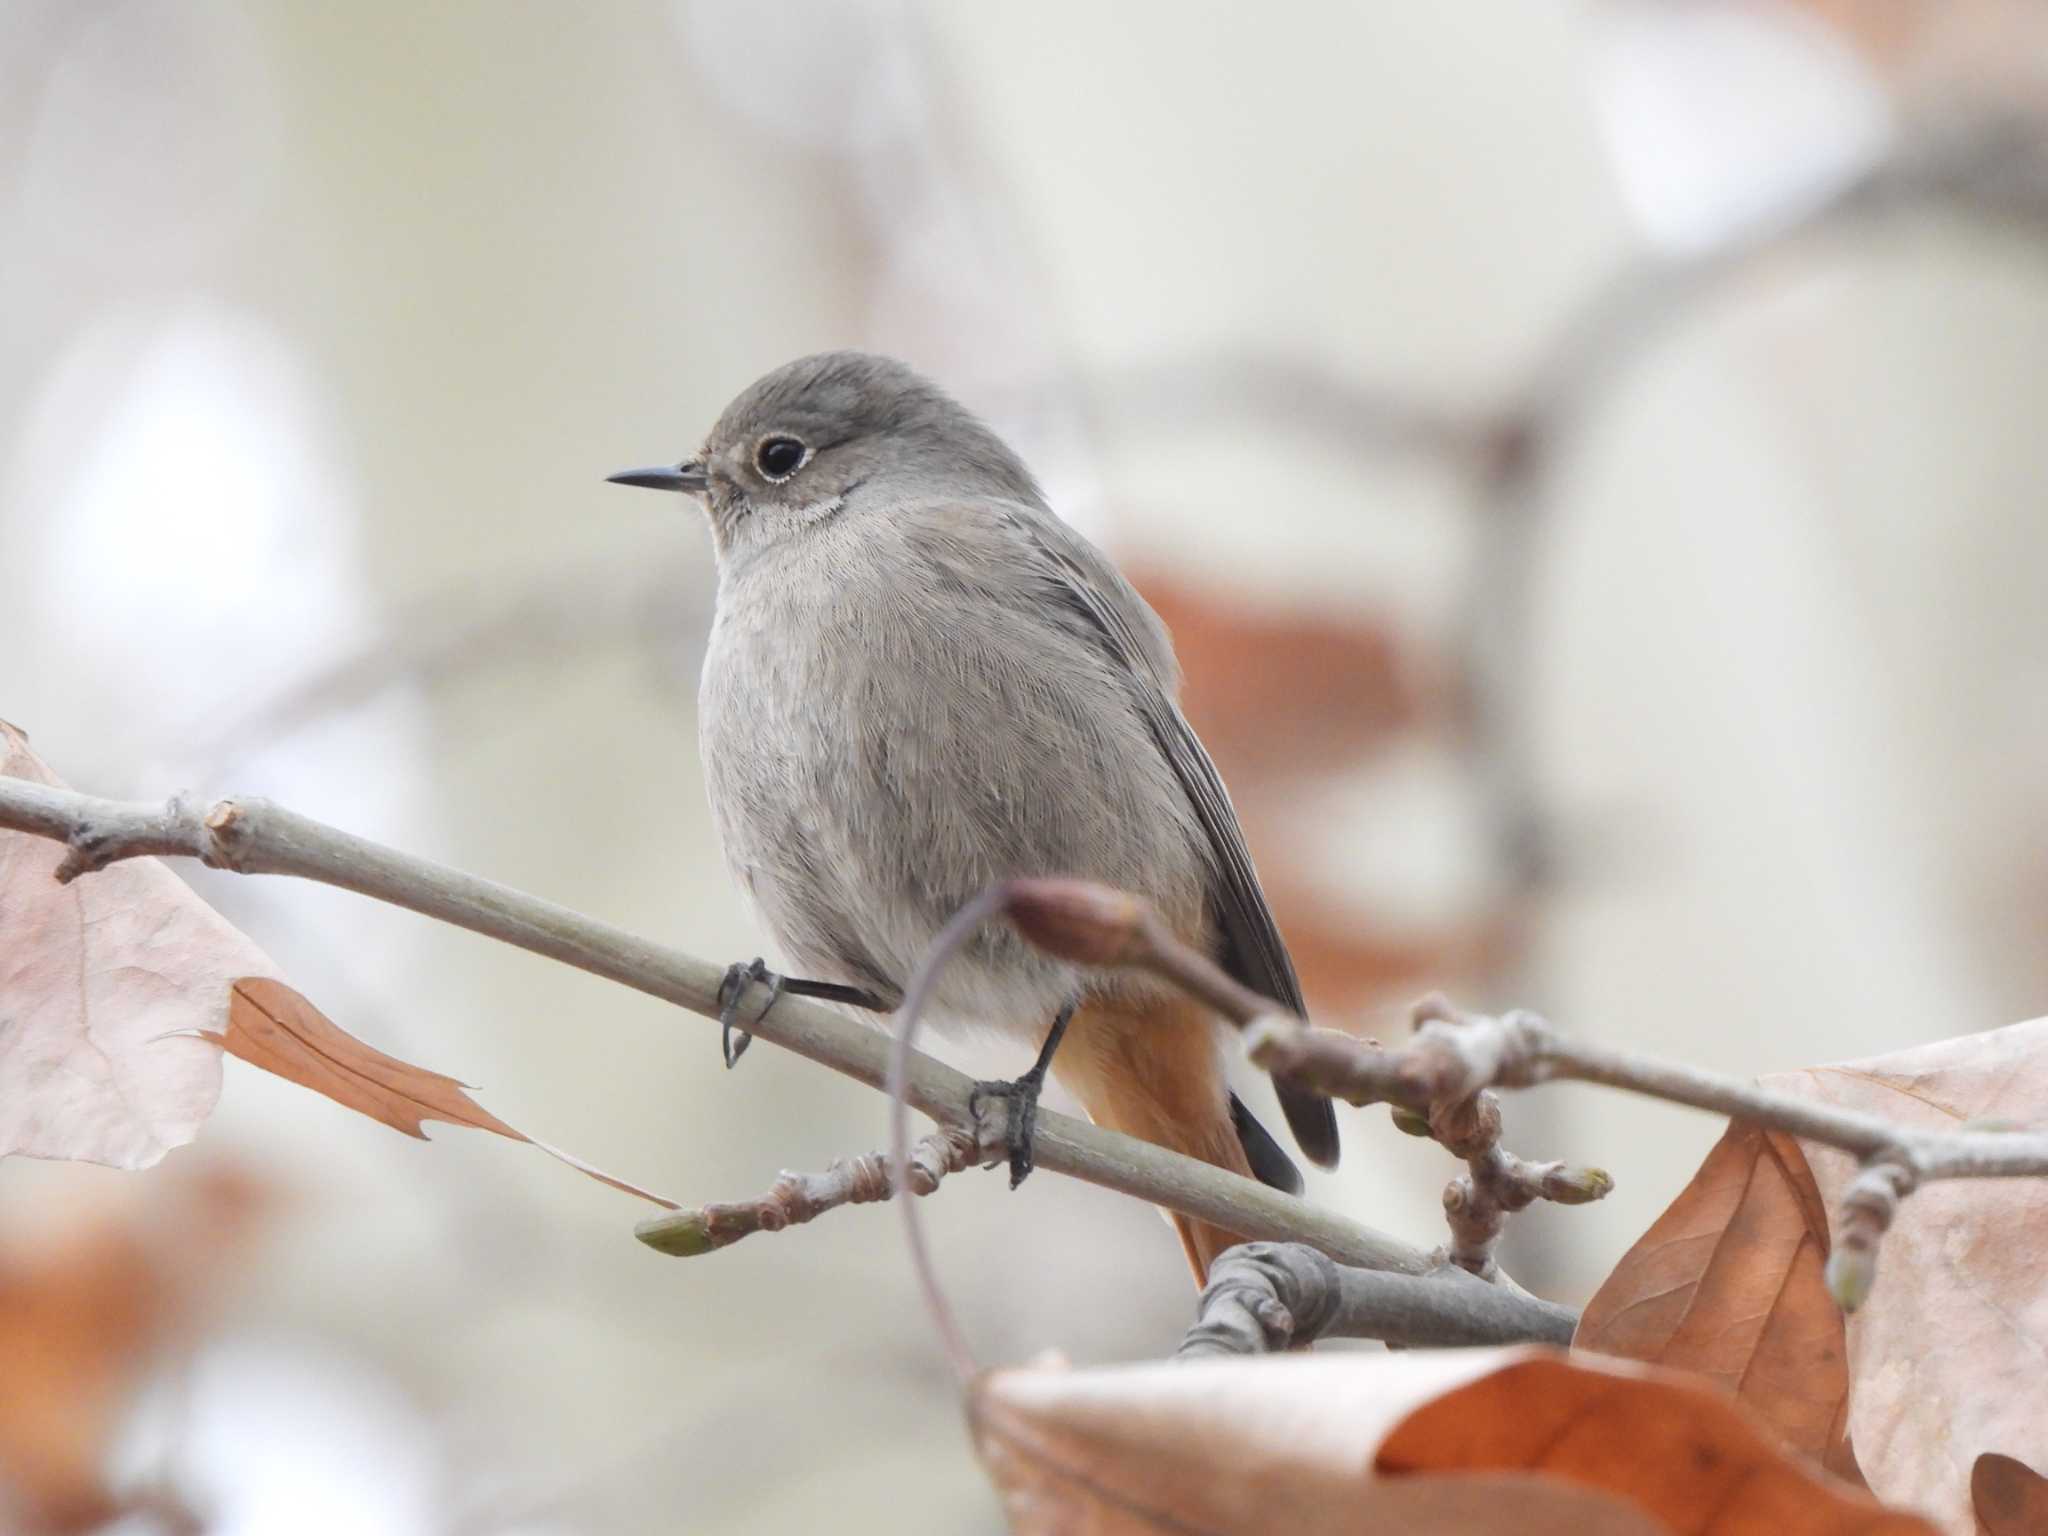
{"x":1270,"y":1164}
{"x":1313,"y":1119}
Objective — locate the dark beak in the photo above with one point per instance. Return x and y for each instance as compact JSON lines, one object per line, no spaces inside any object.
{"x":689,"y":477}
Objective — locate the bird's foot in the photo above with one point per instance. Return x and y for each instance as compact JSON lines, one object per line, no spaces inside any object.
{"x":1019,"y":1097}
{"x":733,"y":1040}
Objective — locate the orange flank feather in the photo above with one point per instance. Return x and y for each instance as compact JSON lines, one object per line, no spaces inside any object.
{"x":1150,"y":1066}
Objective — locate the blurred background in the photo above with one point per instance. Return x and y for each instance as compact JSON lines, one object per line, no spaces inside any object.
{"x":1590,"y":456}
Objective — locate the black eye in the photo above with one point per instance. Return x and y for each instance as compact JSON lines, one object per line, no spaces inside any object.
{"x":779,"y":457}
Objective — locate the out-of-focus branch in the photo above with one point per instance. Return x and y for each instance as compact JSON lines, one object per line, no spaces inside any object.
{"x":1266,"y":1297}
{"x":649,"y":601}
{"x":252,"y":836}
{"x":795,"y":1198}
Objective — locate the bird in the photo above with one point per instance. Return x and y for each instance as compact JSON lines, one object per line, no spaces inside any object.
{"x":920,"y":680}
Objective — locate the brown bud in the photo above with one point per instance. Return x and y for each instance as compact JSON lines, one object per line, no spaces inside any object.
{"x":1078,"y":920}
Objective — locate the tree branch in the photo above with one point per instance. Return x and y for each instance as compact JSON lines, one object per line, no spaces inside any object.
{"x":1496,"y":1183}
{"x":1456,"y":1053}
{"x":253,"y":836}
{"x":1265,"y":1297}
{"x":1094,"y":925}
{"x":1437,"y":1085}
{"x":795,"y":1198}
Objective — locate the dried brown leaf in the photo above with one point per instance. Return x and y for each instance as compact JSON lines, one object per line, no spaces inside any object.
{"x":102,"y":984}
{"x":1442,"y":1441}
{"x":2010,"y":1497}
{"x":1949,"y":1356}
{"x":1728,"y":1283}
{"x":271,"y":1026}
{"x":118,"y":991}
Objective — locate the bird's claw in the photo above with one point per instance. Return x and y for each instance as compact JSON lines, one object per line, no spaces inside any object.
{"x":733,"y":1040}
{"x":1019,"y":1097}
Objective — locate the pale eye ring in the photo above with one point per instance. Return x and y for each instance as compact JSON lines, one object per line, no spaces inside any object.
{"x":778,"y":456}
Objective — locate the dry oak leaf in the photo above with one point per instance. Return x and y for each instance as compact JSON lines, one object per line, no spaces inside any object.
{"x":2010,"y":1497}
{"x":1949,"y":1357}
{"x":1450,"y":1441}
{"x":1729,"y":1283}
{"x":102,"y":983}
{"x":118,"y":993}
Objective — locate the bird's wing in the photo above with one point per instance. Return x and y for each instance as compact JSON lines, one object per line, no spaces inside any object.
{"x":1253,"y":951}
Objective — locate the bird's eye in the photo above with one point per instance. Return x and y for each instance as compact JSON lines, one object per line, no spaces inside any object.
{"x":780,"y":457}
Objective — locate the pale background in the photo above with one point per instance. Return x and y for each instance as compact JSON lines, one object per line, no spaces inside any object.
{"x":1723,"y":736}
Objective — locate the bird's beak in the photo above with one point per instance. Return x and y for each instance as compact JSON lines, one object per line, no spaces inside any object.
{"x":688,"y":476}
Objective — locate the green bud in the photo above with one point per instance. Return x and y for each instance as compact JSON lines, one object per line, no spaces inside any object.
{"x":1407,"y":1121}
{"x":684,"y":1235}
{"x":1850,"y":1274}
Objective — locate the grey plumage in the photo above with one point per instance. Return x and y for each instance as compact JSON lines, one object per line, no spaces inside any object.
{"x":920,"y":680}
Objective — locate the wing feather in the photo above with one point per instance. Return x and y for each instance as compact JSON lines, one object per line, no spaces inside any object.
{"x":1253,"y":950}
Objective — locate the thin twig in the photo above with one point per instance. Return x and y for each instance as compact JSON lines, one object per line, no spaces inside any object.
{"x":795,"y":1198}
{"x":1437,"y":1084}
{"x":1868,"y":1206}
{"x":1266,"y":1297}
{"x":1078,"y":920}
{"x":1456,"y":1053}
{"x":1496,"y":1183}
{"x":254,"y":836}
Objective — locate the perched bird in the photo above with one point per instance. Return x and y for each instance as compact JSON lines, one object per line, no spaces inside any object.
{"x":919,"y":681}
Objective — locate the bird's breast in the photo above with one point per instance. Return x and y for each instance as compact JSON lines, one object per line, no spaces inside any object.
{"x":879,"y":748}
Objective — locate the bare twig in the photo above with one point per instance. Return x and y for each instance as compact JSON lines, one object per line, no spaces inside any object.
{"x":1868,"y":1206}
{"x":1466,"y":1052}
{"x":1457,"y":1053}
{"x":1096,"y":925}
{"x":1497,"y":1183}
{"x":795,"y":1198}
{"x":1093,"y":925}
{"x":254,"y":836}
{"x":1267,"y":1297}
{"x":1437,"y":1084}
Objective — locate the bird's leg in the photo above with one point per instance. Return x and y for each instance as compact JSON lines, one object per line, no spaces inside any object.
{"x":733,"y":1041}
{"x":1020,"y":1099}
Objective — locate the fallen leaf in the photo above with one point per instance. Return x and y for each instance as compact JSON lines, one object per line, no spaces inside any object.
{"x":2010,"y":1497}
{"x":1949,"y":1356}
{"x":102,"y":983}
{"x":1729,"y":1283}
{"x":1443,"y":1441}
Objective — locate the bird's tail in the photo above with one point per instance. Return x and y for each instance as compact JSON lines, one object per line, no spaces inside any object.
{"x":1151,"y":1068}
